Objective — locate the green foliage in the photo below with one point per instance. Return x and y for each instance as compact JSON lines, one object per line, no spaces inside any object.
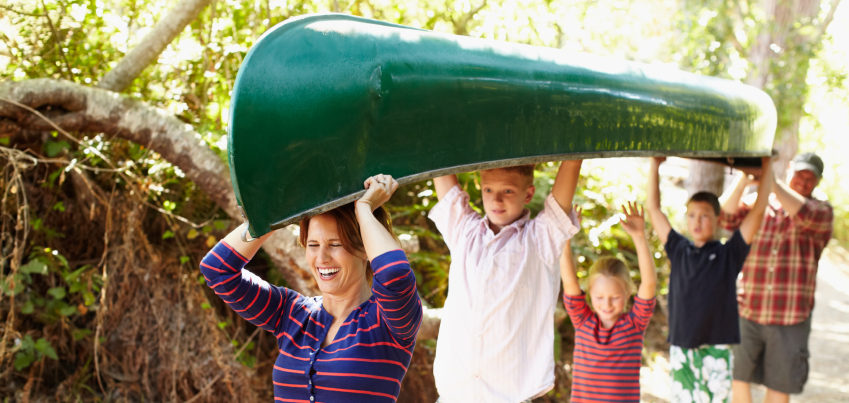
{"x":39,"y":296}
{"x":29,"y":351}
{"x":246,"y":355}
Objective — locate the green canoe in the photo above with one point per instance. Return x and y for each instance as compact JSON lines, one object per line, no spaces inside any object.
{"x":321,"y":102}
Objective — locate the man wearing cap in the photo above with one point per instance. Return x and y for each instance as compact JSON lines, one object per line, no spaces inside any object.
{"x":778,"y":281}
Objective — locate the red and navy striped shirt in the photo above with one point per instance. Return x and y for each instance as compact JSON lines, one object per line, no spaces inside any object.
{"x":371,"y":351}
{"x":606,"y":362}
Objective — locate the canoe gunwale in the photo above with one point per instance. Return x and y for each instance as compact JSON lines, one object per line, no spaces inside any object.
{"x":735,"y":159}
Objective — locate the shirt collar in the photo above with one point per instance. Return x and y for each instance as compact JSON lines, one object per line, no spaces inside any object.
{"x":515,"y":225}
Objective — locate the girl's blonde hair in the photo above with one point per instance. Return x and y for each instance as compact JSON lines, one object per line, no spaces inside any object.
{"x":612,"y":267}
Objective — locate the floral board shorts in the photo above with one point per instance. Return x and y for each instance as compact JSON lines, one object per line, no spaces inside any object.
{"x":700,"y":375}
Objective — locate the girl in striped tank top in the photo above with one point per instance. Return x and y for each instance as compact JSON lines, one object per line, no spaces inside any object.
{"x":609,"y":338}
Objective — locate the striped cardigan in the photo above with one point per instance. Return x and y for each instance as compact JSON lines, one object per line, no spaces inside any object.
{"x":369,"y":356}
{"x":606,"y":362}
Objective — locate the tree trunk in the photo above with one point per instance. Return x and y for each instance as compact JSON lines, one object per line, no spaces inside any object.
{"x":779,"y":59}
{"x":705,"y":176}
{"x":148,"y":50}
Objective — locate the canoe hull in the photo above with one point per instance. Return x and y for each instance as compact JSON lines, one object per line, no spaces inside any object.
{"x":324,"y":101}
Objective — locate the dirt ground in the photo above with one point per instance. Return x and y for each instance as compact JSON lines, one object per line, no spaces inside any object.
{"x":828,"y":380}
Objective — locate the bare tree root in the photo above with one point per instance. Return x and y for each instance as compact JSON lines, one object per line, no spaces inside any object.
{"x":155,"y":333}
{"x":158,"y":342}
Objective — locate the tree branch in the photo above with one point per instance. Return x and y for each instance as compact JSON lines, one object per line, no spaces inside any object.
{"x":78,"y":108}
{"x":148,"y":50}
{"x":823,"y":26}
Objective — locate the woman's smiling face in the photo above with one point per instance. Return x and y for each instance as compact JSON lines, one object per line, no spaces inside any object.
{"x":336,"y":270}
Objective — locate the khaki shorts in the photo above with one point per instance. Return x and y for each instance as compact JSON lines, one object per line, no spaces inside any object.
{"x":773,"y":355}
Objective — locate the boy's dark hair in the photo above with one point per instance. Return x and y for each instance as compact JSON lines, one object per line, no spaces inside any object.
{"x":706,"y":197}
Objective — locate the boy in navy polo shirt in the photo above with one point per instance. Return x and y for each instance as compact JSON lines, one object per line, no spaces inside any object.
{"x":703,"y":317}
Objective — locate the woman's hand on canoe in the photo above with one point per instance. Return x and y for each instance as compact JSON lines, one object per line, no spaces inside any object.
{"x":379,"y":189}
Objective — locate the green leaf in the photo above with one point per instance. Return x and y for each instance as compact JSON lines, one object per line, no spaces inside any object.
{"x":79,"y":334}
{"x":44,"y":347}
{"x":88,"y":298}
{"x":57,"y":292}
{"x":36,"y":266}
{"x":58,"y":256}
{"x":27,"y":343}
{"x":54,"y":148}
{"x":205,"y":305}
{"x":247,"y":360}
{"x":59,"y":206}
{"x":168,"y":234}
{"x":74,"y":275}
{"x":27,"y":308}
{"x":67,"y":310}
{"x":4,"y":141}
{"x":222,"y":325}
{"x":220,"y":224}
{"x":184,"y":259}
{"x":23,"y":359}
{"x":51,"y":179}
{"x":8,"y":287}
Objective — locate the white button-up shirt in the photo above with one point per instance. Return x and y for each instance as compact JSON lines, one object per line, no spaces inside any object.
{"x":496,"y":338}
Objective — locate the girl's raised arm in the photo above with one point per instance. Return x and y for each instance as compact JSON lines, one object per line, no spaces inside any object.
{"x":634,"y":224}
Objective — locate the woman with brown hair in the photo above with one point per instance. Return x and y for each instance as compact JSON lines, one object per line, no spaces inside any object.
{"x":355,"y":341}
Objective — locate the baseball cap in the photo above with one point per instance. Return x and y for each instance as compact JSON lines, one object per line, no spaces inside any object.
{"x":808,"y":162}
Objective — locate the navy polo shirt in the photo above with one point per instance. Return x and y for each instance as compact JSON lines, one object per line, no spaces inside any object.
{"x":702,"y":293}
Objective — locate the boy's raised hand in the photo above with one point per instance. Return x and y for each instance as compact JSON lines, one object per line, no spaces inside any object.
{"x":634,"y":221}
{"x":659,"y":221}
{"x":568,"y":268}
{"x":578,"y":214}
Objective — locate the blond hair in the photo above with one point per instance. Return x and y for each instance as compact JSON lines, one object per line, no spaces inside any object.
{"x":525,"y":171}
{"x":612,"y":267}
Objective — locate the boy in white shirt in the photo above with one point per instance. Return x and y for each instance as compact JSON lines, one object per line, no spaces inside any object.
{"x":496,"y":337}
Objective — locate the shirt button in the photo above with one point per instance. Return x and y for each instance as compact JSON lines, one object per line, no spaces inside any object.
{"x":312,"y":398}
{"x":771,"y":269}
{"x":775,"y":251}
